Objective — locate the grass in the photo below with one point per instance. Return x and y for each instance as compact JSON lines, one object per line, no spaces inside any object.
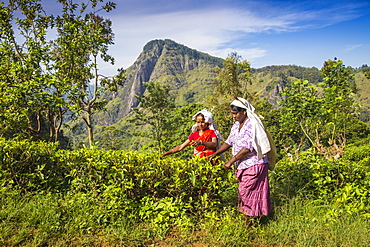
{"x":43,"y":220}
{"x":306,"y":223}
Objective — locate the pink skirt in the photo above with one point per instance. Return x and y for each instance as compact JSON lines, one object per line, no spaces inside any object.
{"x":254,"y":191}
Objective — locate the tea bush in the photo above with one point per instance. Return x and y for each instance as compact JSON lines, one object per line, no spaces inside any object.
{"x":344,"y":182}
{"x":166,"y":188}
{"x":110,"y":186}
{"x":358,"y":152}
{"x":142,"y":186}
{"x":30,"y":166}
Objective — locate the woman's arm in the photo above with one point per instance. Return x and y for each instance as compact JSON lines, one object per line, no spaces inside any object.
{"x":177,"y":148}
{"x":236,"y":157}
{"x":212,"y":144}
{"x":222,"y":149}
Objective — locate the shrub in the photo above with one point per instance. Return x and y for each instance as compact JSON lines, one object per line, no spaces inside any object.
{"x":344,"y":182}
{"x":30,"y":166}
{"x":133,"y":176}
{"x":358,"y":151}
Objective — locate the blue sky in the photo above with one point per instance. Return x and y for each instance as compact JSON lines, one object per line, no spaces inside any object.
{"x":267,"y":32}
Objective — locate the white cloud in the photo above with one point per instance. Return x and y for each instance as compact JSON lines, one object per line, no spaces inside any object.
{"x":214,"y":31}
{"x":207,"y":31}
{"x":199,"y":28}
{"x":246,"y":54}
{"x":351,"y":47}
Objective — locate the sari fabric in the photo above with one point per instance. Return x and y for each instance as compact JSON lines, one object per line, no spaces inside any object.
{"x":207,"y":136}
{"x":254,"y":191}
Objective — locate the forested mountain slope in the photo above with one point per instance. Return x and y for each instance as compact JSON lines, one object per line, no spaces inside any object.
{"x":191,"y":75}
{"x":189,"y":72}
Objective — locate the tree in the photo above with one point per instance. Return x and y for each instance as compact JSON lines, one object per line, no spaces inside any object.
{"x":234,"y":77}
{"x":232,"y":80}
{"x":301,"y":115}
{"x":26,"y":98}
{"x":84,"y":37}
{"x":111,"y":138}
{"x":339,"y":104}
{"x":319,"y":118}
{"x":42,"y":80}
{"x":154,"y":112}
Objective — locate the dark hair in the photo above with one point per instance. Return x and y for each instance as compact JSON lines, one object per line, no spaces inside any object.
{"x":200,"y":114}
{"x":237,"y":108}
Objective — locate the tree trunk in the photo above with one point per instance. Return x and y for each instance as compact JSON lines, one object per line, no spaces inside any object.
{"x":87,"y":119}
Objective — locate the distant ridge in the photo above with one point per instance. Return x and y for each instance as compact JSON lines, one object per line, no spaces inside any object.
{"x":189,"y":72}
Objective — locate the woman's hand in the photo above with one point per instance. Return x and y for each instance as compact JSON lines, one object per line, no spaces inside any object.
{"x":196,"y":143}
{"x":227,"y":165}
{"x":236,"y":157}
{"x":212,"y":156}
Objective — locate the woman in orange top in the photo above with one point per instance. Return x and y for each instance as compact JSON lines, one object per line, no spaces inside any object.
{"x":204,"y":138}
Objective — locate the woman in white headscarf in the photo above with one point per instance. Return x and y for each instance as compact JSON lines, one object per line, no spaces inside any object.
{"x":250,"y":144}
{"x":204,"y":136}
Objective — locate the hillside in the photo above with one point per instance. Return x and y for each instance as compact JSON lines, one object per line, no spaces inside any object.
{"x":191,"y":76}
{"x":189,"y":72}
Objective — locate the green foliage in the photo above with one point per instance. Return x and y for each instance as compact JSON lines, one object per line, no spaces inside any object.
{"x":301,"y":114}
{"x":163,"y":192}
{"x":358,"y":151}
{"x":42,"y":80}
{"x":29,"y":220}
{"x":166,"y":213}
{"x":234,"y":76}
{"x":49,"y":219}
{"x":25,"y":101}
{"x":83,"y":37}
{"x":302,"y":222}
{"x":111,"y":138}
{"x":356,"y":130}
{"x":30,"y":166}
{"x":320,"y":119}
{"x":134,"y":175}
{"x":339,"y":99}
{"x":232,"y":81}
{"x":345,"y":182}
{"x":291,"y":71}
{"x":155,"y":109}
{"x":131,"y":198}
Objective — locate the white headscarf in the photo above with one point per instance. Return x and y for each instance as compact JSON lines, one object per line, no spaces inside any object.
{"x":260,"y":140}
{"x":208,"y":118}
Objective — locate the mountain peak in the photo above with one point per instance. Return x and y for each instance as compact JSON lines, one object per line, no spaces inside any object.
{"x":188,"y":71}
{"x":157,"y":42}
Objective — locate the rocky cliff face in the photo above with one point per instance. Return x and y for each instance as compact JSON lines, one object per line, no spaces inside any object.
{"x":141,"y":72}
{"x":190,"y":76}
{"x":188,"y":72}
